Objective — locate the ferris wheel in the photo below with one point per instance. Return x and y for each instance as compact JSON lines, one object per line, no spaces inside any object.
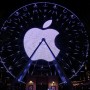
{"x":40,"y":36}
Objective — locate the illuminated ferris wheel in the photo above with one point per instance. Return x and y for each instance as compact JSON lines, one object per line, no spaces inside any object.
{"x":41,"y":36}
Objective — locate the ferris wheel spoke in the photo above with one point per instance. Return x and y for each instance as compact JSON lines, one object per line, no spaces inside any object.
{"x":69,"y":67}
{"x":65,"y":63}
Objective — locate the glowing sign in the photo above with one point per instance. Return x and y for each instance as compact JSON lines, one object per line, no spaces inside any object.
{"x":34,"y":36}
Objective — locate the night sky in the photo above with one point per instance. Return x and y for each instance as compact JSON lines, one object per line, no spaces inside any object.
{"x":80,"y":7}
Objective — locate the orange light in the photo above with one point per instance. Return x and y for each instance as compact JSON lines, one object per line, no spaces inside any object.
{"x":31,"y":82}
{"x":53,"y":82}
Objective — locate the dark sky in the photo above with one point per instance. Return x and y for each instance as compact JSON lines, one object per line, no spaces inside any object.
{"x":80,"y":7}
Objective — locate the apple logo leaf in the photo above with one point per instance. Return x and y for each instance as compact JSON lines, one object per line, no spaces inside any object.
{"x":47,"y":23}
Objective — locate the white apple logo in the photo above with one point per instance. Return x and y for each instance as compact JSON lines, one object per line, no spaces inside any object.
{"x":34,"y":36}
